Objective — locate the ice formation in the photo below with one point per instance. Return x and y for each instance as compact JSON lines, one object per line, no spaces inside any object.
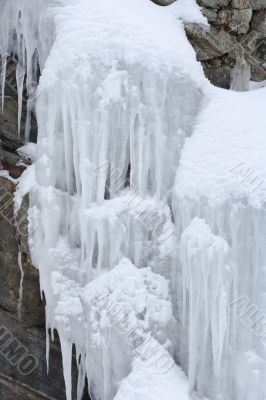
{"x":27,"y":34}
{"x":224,"y":184}
{"x":146,"y":232}
{"x":241,"y":75}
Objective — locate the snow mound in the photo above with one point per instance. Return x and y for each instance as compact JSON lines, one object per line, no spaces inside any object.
{"x":224,"y":159}
{"x":145,"y":383}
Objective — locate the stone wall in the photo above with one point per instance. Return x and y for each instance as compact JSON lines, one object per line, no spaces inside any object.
{"x":237,"y":31}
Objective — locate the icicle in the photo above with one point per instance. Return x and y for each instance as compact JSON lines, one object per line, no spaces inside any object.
{"x":47,"y":350}
{"x":66,"y":348}
{"x":3,"y":79}
{"x":20,"y":75}
{"x":240,"y":75}
{"x":28,"y":124}
{"x":47,"y":327}
{"x":208,"y":286}
{"x":21,"y":282}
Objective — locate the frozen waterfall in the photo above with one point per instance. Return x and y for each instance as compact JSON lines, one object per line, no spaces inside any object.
{"x":224,"y":252}
{"x":149,"y":239}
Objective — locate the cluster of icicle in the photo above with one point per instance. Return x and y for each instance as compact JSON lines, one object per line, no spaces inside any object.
{"x":222,"y":264}
{"x":26,"y":38}
{"x":101,"y":228}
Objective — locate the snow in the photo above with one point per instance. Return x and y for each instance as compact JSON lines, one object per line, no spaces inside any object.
{"x":256,"y":85}
{"x":145,"y":382}
{"x":28,"y":151}
{"x":147,"y":214}
{"x":189,"y":12}
{"x":230,"y":133}
{"x":132,"y":36}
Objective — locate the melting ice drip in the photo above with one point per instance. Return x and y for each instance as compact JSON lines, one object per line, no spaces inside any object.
{"x":117,"y":99}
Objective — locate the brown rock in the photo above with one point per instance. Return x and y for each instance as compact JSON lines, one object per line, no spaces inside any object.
{"x":209,"y":44}
{"x":235,"y":20}
{"x":257,"y":4}
{"x":258,"y":22}
{"x":219,"y":74}
{"x":214,"y":3}
{"x":210,"y":14}
{"x":163,"y":2}
{"x":240,"y":4}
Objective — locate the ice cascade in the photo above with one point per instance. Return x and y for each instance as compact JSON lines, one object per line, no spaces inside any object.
{"x":219,"y":204}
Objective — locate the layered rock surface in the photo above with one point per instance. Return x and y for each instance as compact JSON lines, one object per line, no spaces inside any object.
{"x":237,"y":30}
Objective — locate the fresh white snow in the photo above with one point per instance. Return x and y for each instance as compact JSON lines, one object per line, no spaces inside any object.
{"x":228,"y":142}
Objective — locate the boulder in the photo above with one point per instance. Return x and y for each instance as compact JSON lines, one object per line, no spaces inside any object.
{"x":235,"y":20}
{"x":258,"y":22}
{"x":209,"y":44}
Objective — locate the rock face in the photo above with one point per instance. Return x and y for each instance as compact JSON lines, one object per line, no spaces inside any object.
{"x":237,"y":30}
